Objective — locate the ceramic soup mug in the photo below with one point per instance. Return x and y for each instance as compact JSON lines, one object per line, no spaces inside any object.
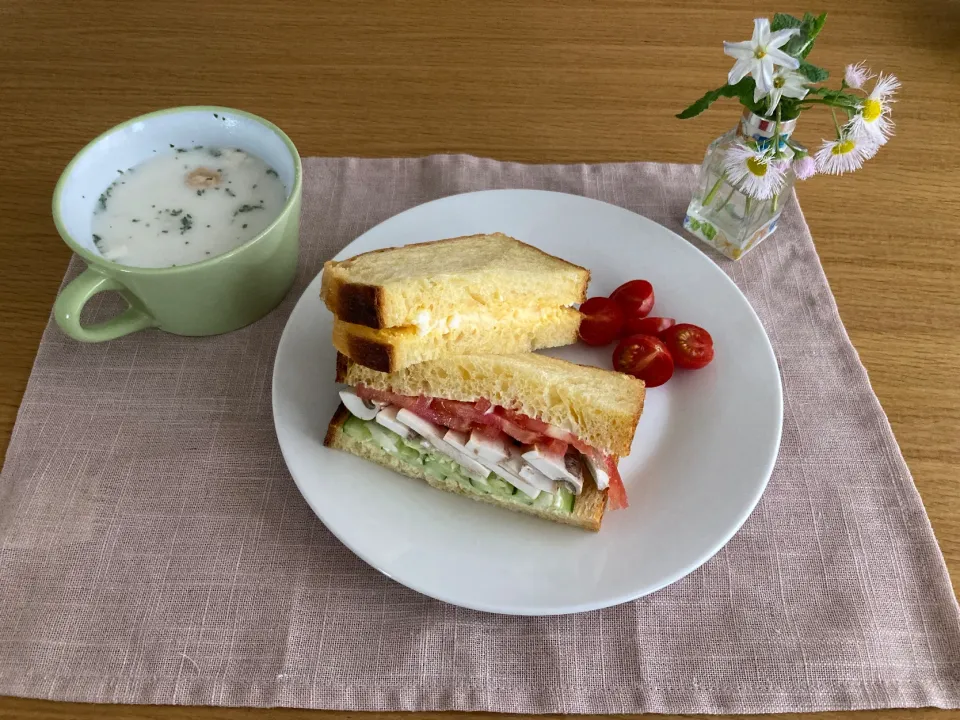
{"x":213,"y":296}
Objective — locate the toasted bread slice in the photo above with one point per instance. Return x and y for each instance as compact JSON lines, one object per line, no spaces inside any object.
{"x":601,"y":407}
{"x":588,"y":507}
{"x":520,"y":331}
{"x":398,"y":287}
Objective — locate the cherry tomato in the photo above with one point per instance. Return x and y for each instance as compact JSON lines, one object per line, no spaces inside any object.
{"x":691,"y":346}
{"x":647,"y":325}
{"x":644,"y":357}
{"x":602,"y":321}
{"x":635,"y":297}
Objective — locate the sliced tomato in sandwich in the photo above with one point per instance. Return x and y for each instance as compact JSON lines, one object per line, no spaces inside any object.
{"x":481,"y":406}
{"x":496,"y":419}
{"x":491,"y":432}
{"x":552,"y":446}
{"x":582,"y":446}
{"x":617,"y":493}
{"x":421,"y":407}
{"x":526,"y":422}
{"x":570,"y":439}
{"x":403,"y":401}
{"x":513,"y":428}
{"x":453,"y":414}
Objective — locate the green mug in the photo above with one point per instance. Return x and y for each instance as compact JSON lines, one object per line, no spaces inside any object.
{"x":215,"y":296}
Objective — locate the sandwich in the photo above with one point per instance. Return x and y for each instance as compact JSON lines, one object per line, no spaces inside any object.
{"x":469,"y":295}
{"x":526,"y":432}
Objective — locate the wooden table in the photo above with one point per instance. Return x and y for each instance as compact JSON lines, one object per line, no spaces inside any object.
{"x":531,"y":81}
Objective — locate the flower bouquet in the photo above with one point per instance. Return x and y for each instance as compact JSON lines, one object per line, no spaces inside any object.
{"x":748,"y":170}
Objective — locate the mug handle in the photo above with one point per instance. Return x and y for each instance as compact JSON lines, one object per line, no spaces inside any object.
{"x":78,"y":292}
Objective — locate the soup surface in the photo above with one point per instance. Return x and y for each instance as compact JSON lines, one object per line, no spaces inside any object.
{"x":185,"y":206}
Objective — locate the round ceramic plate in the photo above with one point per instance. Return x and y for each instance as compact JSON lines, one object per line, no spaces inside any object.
{"x":703,"y":451}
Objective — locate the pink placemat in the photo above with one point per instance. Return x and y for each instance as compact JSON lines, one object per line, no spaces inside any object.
{"x":154,"y":549}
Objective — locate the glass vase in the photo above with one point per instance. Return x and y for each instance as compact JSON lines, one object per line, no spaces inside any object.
{"x":720,"y":214}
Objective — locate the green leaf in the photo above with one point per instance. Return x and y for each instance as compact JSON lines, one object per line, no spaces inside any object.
{"x":813,"y":25}
{"x":712,"y":96}
{"x":782,"y":21}
{"x":802,"y":43}
{"x":743,"y":91}
{"x":797,"y":45}
{"x":817,"y":23}
{"x":812,"y":72}
{"x":790,"y":108}
{"x":708,"y":99}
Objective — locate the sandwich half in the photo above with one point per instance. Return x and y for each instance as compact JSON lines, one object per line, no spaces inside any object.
{"x":525,"y":432}
{"x":469,"y":295}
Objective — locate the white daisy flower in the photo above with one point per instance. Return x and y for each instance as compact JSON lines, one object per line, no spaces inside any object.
{"x":873,"y":121}
{"x":758,"y":55}
{"x":845,"y":154}
{"x":787,"y":83}
{"x":856,"y":76}
{"x":753,"y":171}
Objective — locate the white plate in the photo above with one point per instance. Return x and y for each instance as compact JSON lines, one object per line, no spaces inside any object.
{"x":703,"y":452}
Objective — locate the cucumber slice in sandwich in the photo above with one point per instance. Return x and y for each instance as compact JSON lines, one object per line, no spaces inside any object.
{"x":389,"y":441}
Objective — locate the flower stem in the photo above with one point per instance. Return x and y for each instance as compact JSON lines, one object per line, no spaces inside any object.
{"x":835,"y":123}
{"x":713,"y":191}
{"x":825,"y":101}
{"x":726,"y":200}
{"x":797,"y":150}
{"x":774,"y":203}
{"x":746,"y":207}
{"x":776,"y":135}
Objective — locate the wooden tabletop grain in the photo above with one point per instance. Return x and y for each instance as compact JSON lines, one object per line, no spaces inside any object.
{"x":534,"y":81}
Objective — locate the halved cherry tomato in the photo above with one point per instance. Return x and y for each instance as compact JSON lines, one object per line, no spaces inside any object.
{"x":647,"y":325}
{"x":691,"y":346}
{"x":635,"y":297}
{"x":602,"y":321}
{"x":644,"y":357}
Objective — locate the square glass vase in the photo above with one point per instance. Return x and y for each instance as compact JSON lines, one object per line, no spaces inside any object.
{"x":719,"y":213}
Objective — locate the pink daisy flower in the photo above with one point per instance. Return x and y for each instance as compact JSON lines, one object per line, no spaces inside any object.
{"x":856,"y":76}
{"x":804,"y":167}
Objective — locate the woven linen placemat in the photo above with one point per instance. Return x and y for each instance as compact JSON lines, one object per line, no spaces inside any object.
{"x":154,"y":549}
